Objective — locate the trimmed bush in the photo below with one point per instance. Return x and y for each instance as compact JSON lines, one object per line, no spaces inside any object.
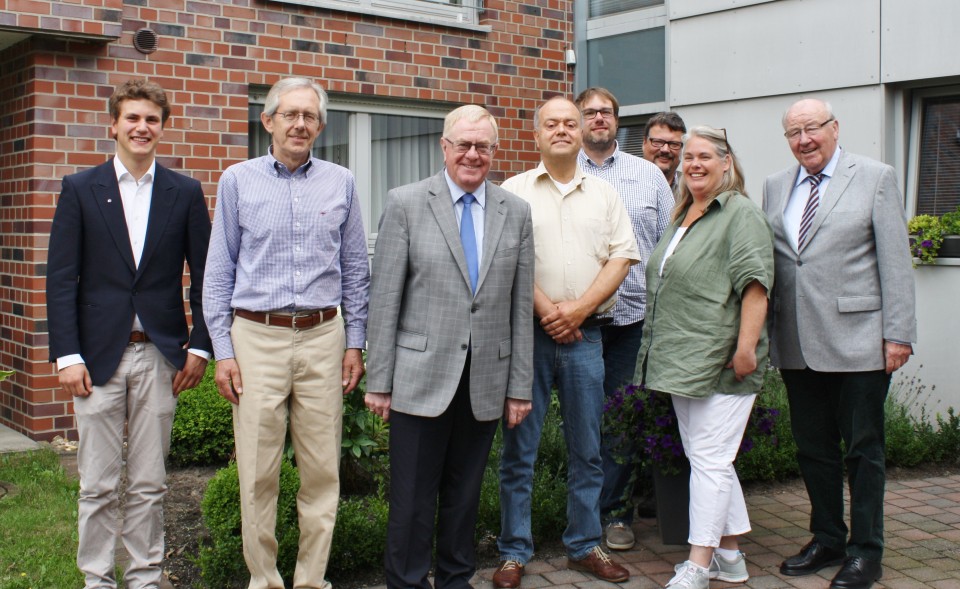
{"x":772,"y":457}
{"x":358,"y":539}
{"x":202,"y":426}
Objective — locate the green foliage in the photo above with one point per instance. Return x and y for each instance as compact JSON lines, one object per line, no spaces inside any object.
{"x":364,"y":449}
{"x":773,"y":456}
{"x":359,"y":537}
{"x":221,"y":555}
{"x":202,"y":426}
{"x":929,"y":237}
{"x":38,"y":536}
{"x":950,"y":222}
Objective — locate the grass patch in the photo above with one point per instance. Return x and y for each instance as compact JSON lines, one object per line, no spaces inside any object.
{"x":38,"y":526}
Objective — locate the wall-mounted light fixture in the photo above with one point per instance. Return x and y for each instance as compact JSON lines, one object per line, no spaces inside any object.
{"x":570,"y":56}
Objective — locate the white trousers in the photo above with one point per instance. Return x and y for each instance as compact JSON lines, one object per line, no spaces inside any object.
{"x":140,"y":396}
{"x":711,"y":430}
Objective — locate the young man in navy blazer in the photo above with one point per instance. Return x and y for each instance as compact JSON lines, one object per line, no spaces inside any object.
{"x":118,"y":330}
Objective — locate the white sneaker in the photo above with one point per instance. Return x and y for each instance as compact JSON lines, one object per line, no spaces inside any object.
{"x":731,"y":571}
{"x":689,"y":576}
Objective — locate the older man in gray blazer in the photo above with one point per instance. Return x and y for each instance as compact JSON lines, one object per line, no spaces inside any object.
{"x":450,"y":346}
{"x":841,"y":322}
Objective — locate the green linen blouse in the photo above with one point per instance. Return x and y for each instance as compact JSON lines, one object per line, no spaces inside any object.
{"x":693,"y":310}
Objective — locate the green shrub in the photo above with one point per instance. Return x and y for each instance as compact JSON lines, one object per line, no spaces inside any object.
{"x":946,"y":445}
{"x":221,"y":555}
{"x":772,"y":457}
{"x":364,"y":449}
{"x":359,"y":537}
{"x":202,"y":426}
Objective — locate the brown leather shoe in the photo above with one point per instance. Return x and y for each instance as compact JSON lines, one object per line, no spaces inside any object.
{"x":508,"y":575}
{"x":598,"y":563}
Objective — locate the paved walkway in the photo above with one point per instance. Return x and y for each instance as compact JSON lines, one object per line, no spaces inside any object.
{"x":922,"y":544}
{"x":922,"y":540}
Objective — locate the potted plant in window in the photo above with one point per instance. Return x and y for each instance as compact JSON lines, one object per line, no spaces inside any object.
{"x":932,"y":237}
{"x":950,"y":225}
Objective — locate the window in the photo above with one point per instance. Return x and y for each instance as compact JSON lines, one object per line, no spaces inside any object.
{"x":935,"y":151}
{"x":455,"y":13}
{"x":384,"y":144}
{"x":605,"y":7}
{"x":630,"y":136}
{"x":631,"y":65}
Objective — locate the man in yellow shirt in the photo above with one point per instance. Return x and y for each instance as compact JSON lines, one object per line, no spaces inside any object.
{"x":584,"y":247}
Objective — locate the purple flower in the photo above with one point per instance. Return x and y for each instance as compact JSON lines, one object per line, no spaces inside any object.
{"x":927,"y":243}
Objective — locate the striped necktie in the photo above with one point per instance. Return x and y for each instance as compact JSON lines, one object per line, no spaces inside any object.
{"x":810,"y":211}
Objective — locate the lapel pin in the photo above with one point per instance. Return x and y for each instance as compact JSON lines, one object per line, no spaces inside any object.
{"x":109,"y":200}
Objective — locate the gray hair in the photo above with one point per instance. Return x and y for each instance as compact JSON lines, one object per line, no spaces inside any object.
{"x":289,"y":84}
{"x":826,"y":106}
{"x":471,"y":113}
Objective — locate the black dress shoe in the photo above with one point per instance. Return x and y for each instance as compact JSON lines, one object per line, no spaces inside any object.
{"x":857,"y":573}
{"x":813,"y":557}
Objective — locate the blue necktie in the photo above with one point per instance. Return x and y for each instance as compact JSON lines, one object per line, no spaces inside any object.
{"x":469,"y":240}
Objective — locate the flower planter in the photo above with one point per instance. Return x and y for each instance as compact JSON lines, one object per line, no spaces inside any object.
{"x":673,"y":504}
{"x":950,"y":248}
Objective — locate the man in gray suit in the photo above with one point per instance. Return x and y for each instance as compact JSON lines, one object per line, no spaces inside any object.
{"x":841,"y":322}
{"x":450,"y":348}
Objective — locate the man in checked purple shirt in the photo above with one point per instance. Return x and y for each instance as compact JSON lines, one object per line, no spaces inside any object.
{"x":288,"y":248}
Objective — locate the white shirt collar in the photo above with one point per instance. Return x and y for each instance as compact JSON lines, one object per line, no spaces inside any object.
{"x":828,"y":170}
{"x":480,"y":194}
{"x":120,"y":169}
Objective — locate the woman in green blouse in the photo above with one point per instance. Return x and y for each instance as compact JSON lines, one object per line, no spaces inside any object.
{"x":705,"y":343}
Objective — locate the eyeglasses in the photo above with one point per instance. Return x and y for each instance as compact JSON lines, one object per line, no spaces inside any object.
{"x":466,"y":146}
{"x":659,"y":143}
{"x":590,"y":113}
{"x":811,"y":130}
{"x":309,"y":118}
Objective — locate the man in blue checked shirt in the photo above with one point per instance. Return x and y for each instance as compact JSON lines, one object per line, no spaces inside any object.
{"x":288,"y":249}
{"x":649,"y":201}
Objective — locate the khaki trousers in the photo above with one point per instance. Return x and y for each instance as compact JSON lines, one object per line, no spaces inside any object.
{"x":140,"y":396}
{"x":297,"y":373}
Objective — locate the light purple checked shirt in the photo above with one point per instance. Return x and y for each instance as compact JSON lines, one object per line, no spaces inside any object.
{"x":286,"y":242}
{"x":649,"y":202}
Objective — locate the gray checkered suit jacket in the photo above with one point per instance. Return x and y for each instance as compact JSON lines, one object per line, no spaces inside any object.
{"x":423,"y":315}
{"x":851,"y":285}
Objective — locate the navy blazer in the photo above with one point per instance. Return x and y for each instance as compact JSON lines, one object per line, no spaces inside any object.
{"x":94,"y":287}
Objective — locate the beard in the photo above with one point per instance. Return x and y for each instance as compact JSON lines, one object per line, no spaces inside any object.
{"x":598,"y":142}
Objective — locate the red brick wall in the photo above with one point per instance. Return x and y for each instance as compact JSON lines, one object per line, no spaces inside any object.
{"x":53,"y":96}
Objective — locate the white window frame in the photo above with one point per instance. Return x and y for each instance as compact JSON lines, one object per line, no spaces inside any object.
{"x":360,"y":152}
{"x":463,"y":14}
{"x":916,"y":130}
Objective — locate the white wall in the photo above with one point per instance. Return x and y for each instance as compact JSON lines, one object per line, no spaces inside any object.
{"x":739,"y":64}
{"x":756,"y":134}
{"x":936,"y":361}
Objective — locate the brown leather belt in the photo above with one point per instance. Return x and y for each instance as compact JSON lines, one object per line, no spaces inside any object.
{"x":138,"y":337}
{"x":301,"y":321}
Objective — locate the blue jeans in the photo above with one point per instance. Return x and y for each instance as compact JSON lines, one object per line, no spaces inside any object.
{"x":577,"y":369}
{"x":621,"y":344}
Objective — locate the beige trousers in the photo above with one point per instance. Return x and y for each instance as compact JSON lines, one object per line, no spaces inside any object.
{"x":297,"y":373}
{"x":140,"y":396}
